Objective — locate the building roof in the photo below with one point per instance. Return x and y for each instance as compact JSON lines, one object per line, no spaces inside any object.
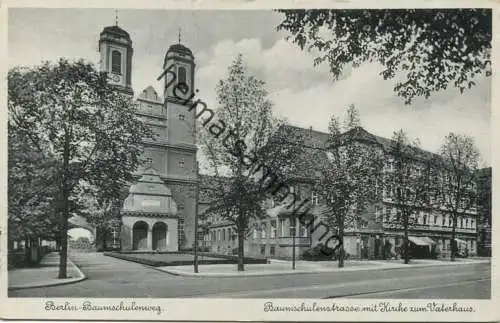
{"x":361,"y":135}
{"x":180,"y":48}
{"x":484,"y":172}
{"x":319,"y":140}
{"x":150,"y":195}
{"x":116,"y":31}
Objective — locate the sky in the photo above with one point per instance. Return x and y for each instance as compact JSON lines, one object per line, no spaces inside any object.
{"x":75,"y":233}
{"x":303,"y":94}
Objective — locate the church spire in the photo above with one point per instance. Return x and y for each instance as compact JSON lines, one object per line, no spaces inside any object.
{"x":179,"y":35}
{"x":116,"y":17}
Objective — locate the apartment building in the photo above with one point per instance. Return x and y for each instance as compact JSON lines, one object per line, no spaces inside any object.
{"x":375,"y":235}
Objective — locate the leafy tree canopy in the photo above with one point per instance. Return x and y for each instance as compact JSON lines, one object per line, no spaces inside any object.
{"x":70,"y":112}
{"x":435,"y":48}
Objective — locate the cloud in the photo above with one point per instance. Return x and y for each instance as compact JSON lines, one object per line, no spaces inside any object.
{"x":304,"y":94}
{"x":307,"y":96}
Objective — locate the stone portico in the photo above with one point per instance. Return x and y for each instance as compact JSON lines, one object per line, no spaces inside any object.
{"x":149,"y":216}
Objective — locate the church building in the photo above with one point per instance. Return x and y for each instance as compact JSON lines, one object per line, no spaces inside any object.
{"x":159,"y":211}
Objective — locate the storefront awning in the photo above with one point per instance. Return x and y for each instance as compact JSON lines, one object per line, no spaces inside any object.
{"x":428,"y":240}
{"x":419,"y":241}
{"x":460,"y":241}
{"x":422,"y":241}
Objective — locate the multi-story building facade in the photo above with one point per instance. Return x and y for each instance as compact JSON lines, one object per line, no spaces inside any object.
{"x":484,"y":213}
{"x":376,"y":235}
{"x":158,"y":213}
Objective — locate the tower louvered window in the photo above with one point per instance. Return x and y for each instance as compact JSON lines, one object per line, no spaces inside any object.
{"x":116,"y":62}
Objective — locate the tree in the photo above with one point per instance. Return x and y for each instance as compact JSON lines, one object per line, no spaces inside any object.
{"x":407,"y":183}
{"x":436,"y":48}
{"x":348,"y":175}
{"x":248,"y":162}
{"x":89,"y":127}
{"x":456,"y":188}
{"x":31,"y":186}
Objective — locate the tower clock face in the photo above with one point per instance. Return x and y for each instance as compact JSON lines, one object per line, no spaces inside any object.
{"x":115,"y":78}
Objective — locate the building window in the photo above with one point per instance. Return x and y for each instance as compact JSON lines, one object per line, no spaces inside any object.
{"x":450,"y":220}
{"x":443,"y":219}
{"x":181,"y":163}
{"x":472,"y":224}
{"x":149,"y":162}
{"x":181,"y":73}
{"x":314,"y":198}
{"x":263,"y":249}
{"x":274,"y":230}
{"x":425,"y":219}
{"x":181,"y":117}
{"x":282,"y":228}
{"x":272,"y":251}
{"x":466,"y":223}
{"x":223,"y":235}
{"x":292,"y":229}
{"x":229,"y":234}
{"x":303,"y":230}
{"x":377,"y":214}
{"x":435,"y":219}
{"x":264,"y":230}
{"x":255,"y":233}
{"x":398,"y":215}
{"x":116,"y":62}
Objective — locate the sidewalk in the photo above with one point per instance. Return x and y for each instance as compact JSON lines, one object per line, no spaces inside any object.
{"x":281,"y":267}
{"x":44,"y":275}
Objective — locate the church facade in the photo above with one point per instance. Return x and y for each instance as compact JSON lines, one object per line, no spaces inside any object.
{"x":158,"y":214}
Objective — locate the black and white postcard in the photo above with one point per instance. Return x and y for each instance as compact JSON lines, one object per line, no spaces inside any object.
{"x":253,"y":160}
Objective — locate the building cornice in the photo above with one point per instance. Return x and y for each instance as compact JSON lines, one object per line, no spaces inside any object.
{"x":149,"y":214}
{"x":162,"y":143}
{"x":175,"y":179}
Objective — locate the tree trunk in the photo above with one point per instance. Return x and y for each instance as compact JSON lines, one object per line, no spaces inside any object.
{"x":341,"y":248}
{"x":63,"y":258}
{"x":64,"y":203}
{"x":27,"y":250}
{"x":406,"y":247}
{"x":452,"y":242}
{"x":406,"y":242}
{"x":241,"y":244}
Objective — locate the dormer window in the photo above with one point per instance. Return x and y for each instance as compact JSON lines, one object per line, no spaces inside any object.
{"x":314,"y":198}
{"x":116,"y":62}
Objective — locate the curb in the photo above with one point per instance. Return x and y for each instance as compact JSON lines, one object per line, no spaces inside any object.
{"x":54,"y":283}
{"x":298,"y":272}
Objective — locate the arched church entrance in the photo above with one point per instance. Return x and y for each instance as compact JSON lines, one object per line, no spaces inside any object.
{"x":160,"y":230}
{"x":140,"y":236}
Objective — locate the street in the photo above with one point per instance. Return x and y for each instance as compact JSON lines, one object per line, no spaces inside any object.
{"x":110,"y":277}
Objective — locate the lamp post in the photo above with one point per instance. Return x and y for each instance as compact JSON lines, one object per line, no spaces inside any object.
{"x":293,"y":243}
{"x":196,"y":192}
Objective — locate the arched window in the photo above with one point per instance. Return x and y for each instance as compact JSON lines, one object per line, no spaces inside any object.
{"x":181,"y":73}
{"x":116,"y":62}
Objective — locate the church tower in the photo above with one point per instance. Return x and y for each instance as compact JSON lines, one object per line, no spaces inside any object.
{"x":181,"y":156}
{"x":115,"y":47}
